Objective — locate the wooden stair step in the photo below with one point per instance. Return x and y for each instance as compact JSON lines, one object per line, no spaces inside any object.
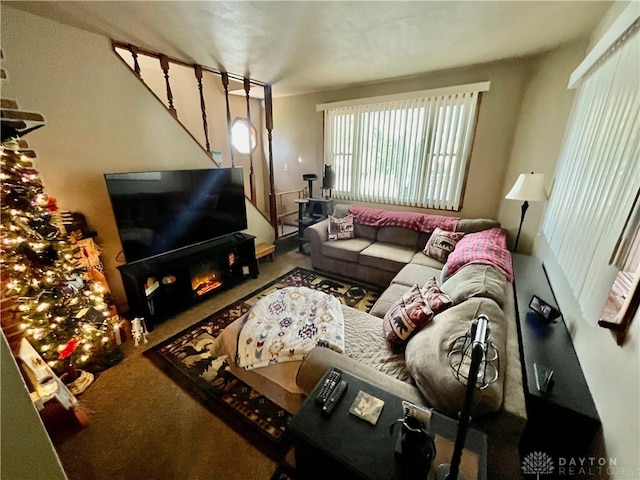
{"x":11,"y":114}
{"x":264,"y":250}
{"x":8,"y":103}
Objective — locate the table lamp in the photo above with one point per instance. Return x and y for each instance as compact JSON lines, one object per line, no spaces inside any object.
{"x":474,"y":360}
{"x":530,"y":188}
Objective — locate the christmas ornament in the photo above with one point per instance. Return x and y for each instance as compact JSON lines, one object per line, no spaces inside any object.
{"x":38,"y":269}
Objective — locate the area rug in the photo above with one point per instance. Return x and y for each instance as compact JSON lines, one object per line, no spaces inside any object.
{"x":186,"y":358}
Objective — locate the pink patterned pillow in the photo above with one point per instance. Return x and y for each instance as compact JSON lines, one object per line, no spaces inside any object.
{"x":341,"y":228}
{"x":407,"y":315}
{"x":435,"y":298}
{"x":441,"y":243}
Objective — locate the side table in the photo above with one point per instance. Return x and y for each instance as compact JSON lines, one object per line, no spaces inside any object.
{"x":562,"y":421}
{"x":344,"y":446}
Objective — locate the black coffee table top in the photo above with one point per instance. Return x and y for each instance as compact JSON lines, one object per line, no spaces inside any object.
{"x":365,"y":449}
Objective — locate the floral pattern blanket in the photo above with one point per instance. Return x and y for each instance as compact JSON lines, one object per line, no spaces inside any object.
{"x":286,"y":324}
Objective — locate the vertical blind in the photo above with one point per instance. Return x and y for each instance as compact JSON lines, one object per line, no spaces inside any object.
{"x":406,"y":151}
{"x":598,"y":174}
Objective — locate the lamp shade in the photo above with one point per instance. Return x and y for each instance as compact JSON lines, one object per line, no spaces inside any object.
{"x":528,"y":186}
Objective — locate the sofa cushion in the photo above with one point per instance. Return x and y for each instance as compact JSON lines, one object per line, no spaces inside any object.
{"x":315,"y":365}
{"x":473,"y":225}
{"x":386,"y":256}
{"x":423,"y":238}
{"x":347,"y":250}
{"x":414,"y":273}
{"x":427,"y":360}
{"x":388,"y":298}
{"x":341,"y":228}
{"x":477,"y":280}
{"x":441,"y":243}
{"x":398,"y":236}
{"x":421,"y":259}
{"x":365,"y":231}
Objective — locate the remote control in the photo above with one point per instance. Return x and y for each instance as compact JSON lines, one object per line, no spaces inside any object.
{"x":330,"y":404}
{"x":330,"y":383}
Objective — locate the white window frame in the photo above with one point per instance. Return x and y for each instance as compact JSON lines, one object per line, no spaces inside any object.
{"x":409,"y":149}
{"x":240,"y":139}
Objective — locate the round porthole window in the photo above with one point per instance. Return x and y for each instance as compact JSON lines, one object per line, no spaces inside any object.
{"x":240,"y":136}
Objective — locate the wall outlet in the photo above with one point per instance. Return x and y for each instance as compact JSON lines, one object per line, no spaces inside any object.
{"x":286,"y":167}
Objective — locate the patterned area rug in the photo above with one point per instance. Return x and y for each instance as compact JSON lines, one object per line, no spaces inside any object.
{"x":186,"y":359}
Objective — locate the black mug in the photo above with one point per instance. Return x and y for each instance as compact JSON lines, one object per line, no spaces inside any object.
{"x":415,"y":448}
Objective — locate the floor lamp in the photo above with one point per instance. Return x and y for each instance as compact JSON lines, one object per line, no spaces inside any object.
{"x":474,"y":360}
{"x":530,"y":188}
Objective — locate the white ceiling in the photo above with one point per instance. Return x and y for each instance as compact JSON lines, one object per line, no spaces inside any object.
{"x":301,"y":47}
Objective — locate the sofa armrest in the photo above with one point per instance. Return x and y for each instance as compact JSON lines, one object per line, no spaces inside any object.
{"x":317,"y":233}
{"x":320,"y":359}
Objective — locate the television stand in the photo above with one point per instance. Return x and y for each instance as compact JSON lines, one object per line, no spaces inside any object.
{"x":164,"y":285}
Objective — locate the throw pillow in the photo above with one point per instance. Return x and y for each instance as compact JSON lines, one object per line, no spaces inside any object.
{"x":341,"y":228}
{"x":473,"y":225}
{"x":407,"y":315}
{"x":441,"y":243}
{"x":435,"y":298}
{"x":427,"y":361}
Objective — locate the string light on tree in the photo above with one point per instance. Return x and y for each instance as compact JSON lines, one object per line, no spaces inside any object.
{"x":55,"y":303}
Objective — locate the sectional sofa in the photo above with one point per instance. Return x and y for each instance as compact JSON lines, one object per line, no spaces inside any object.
{"x":392,"y":256}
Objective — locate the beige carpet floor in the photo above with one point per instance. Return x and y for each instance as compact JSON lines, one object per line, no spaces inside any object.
{"x":144,"y":426}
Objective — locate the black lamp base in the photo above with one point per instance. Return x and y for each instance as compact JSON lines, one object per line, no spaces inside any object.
{"x":523,"y":211}
{"x":443,"y":473}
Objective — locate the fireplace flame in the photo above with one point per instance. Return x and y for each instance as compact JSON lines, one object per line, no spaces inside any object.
{"x":205,"y":282}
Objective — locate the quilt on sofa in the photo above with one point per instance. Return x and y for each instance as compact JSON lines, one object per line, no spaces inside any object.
{"x":286,"y":324}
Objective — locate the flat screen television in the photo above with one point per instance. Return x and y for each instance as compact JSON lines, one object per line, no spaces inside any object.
{"x":157,"y":212}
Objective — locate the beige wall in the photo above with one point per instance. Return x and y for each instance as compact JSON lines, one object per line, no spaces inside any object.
{"x":520,"y":129}
{"x":545,"y":108}
{"x":612,"y":372}
{"x":299,"y":131}
{"x":25,"y":447}
{"x":99,"y":119}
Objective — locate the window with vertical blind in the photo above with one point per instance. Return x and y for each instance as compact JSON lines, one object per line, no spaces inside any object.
{"x":598,"y":173}
{"x":411,"y":149}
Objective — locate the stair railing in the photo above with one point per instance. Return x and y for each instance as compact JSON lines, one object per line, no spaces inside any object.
{"x":199,"y":71}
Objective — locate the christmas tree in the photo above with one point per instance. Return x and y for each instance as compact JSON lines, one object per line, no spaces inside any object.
{"x":63,"y":316}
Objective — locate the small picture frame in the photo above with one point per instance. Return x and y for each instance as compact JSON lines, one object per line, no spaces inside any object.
{"x":543,"y":309}
{"x":367,"y":407}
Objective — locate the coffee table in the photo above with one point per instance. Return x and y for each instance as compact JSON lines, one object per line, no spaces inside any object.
{"x":342,"y":445}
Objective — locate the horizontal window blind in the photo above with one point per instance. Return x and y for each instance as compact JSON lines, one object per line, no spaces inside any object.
{"x":406,"y":151}
{"x":598,"y":173}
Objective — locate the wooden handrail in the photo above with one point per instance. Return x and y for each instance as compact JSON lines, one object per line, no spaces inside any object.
{"x":225,"y":76}
{"x":136,"y":66}
{"x":198,"y":72}
{"x":164,"y":65}
{"x":150,"y":53}
{"x":225,"y":84}
{"x":252,"y":183}
{"x":268,"y":119}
